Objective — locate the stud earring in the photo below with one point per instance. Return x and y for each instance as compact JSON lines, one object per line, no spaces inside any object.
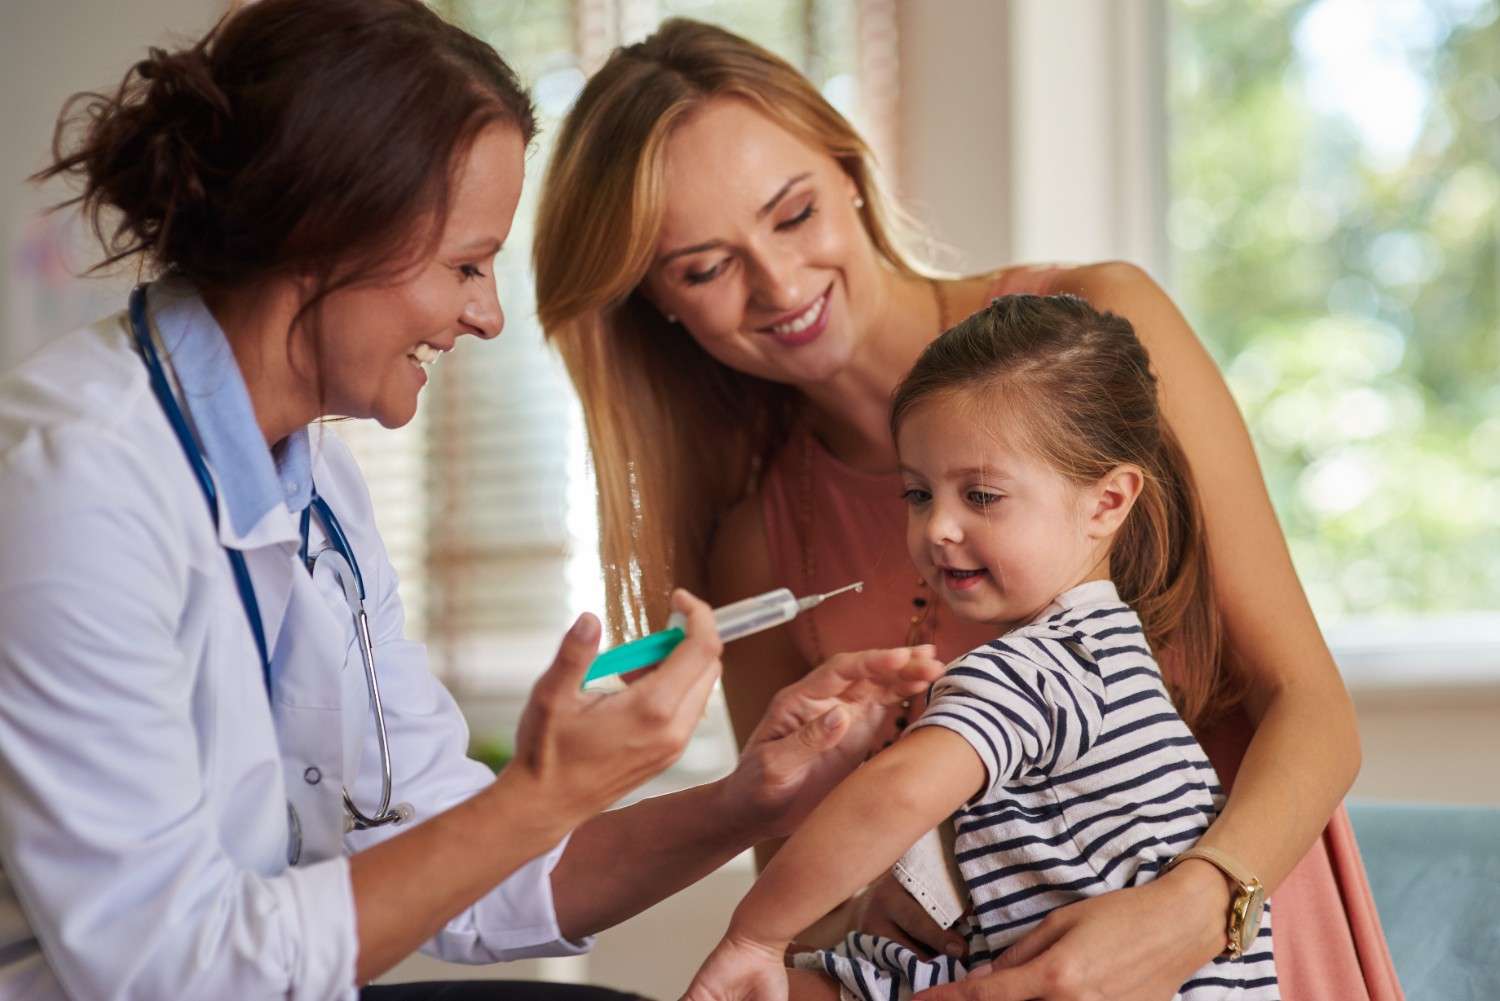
{"x":859,"y":201}
{"x":671,"y":317}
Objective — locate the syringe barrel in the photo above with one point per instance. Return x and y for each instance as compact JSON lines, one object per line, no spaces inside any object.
{"x":754,"y":614}
{"x":750,"y":615}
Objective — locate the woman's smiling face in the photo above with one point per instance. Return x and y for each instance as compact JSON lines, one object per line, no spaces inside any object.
{"x":761,"y":256}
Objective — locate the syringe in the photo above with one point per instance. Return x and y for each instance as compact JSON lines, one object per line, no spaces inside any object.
{"x":752,"y":615}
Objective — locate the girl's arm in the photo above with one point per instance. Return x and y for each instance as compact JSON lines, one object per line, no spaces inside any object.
{"x":859,"y":832}
{"x":755,"y":668}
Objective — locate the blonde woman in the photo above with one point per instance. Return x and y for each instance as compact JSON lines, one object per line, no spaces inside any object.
{"x":733,"y":298}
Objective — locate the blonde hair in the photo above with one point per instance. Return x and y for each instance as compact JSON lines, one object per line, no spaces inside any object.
{"x":676,"y":436}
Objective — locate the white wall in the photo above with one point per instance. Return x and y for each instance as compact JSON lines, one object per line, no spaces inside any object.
{"x":50,"y":49}
{"x":955,"y":126}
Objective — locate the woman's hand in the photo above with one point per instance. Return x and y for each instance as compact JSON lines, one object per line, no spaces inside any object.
{"x":578,"y":752}
{"x":817,"y":730}
{"x":1137,"y":944}
{"x":740,"y":970}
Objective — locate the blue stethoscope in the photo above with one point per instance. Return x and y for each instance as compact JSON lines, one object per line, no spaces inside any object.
{"x":339,"y":556}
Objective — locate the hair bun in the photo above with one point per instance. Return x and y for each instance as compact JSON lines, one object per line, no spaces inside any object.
{"x":181,"y":90}
{"x":185,"y":118}
{"x":249,"y":154}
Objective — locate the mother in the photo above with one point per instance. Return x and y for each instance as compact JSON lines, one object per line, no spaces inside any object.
{"x":734,"y":301}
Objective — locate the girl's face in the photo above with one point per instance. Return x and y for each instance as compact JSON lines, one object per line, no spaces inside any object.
{"x":762,"y":256}
{"x":377,"y":341}
{"x":990,"y":526}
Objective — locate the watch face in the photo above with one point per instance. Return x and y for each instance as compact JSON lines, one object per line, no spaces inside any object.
{"x":1250,"y":906}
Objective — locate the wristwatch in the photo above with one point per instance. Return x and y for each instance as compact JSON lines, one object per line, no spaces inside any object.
{"x":1245,"y":905}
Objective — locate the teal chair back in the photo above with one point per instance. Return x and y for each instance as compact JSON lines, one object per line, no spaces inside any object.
{"x":1435,"y":873}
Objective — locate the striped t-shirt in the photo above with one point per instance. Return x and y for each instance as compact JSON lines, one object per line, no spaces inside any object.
{"x":1094,"y":782}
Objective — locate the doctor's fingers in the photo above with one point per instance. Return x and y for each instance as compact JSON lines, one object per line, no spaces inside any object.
{"x":682,"y":672}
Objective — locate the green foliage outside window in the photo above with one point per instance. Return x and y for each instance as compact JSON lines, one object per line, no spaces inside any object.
{"x":1335,"y":230}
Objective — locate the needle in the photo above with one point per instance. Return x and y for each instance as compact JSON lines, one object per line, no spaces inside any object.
{"x":814,"y":600}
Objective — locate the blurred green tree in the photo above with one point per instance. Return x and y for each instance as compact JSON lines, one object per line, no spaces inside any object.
{"x":1335,"y":231}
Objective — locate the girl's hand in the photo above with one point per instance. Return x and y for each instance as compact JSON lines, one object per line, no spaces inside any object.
{"x":818,"y":729}
{"x":740,"y":970}
{"x":577,"y":753}
{"x":1137,"y":944}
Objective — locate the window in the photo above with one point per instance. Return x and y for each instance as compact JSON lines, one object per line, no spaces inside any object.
{"x":1334,"y":226}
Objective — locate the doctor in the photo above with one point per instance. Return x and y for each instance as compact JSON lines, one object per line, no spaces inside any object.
{"x":196,"y":799}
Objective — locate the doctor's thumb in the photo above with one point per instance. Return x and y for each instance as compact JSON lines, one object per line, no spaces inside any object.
{"x":576,"y":652}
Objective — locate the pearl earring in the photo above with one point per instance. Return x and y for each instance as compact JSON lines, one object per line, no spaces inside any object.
{"x":859,"y":201}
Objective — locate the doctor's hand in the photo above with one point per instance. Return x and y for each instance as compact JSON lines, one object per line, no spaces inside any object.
{"x":578,"y":752}
{"x":818,"y":729}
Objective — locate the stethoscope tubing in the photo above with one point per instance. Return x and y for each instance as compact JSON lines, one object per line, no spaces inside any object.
{"x":339,"y":543}
{"x":184,"y":435}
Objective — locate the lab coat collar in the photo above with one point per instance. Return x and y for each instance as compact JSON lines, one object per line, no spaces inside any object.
{"x":258,"y":492}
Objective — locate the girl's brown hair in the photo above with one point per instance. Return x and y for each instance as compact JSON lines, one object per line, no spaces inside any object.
{"x":298,"y":137}
{"x":675,"y":435}
{"x":1076,"y":385}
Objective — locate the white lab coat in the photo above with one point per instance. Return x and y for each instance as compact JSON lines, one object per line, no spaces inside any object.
{"x":144,"y":779}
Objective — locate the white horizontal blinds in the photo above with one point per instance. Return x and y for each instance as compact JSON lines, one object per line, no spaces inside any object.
{"x":497,"y":486}
{"x":499,"y":419}
{"x":394,"y":464}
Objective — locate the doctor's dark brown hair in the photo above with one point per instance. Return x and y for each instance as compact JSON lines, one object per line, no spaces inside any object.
{"x":305,"y":138}
{"x":1075,"y":385}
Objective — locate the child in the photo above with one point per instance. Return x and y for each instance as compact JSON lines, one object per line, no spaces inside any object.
{"x":1044,"y":493}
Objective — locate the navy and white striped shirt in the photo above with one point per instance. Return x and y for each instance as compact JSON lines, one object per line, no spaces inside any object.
{"x":1093,"y":781}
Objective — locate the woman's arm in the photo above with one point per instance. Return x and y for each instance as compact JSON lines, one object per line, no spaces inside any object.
{"x":1305,"y":751}
{"x":575,"y":754}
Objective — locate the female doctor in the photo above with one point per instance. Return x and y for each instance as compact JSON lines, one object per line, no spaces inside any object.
{"x":199,"y":798}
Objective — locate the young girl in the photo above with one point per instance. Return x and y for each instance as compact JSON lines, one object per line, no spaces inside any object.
{"x":1044,"y":494}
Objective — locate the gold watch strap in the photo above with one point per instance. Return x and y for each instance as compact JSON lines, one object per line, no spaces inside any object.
{"x":1237,"y":872}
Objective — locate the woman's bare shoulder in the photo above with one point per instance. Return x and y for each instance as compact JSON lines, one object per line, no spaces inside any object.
{"x":1102,"y":281}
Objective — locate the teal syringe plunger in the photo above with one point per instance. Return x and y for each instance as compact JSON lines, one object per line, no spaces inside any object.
{"x":734,"y":621}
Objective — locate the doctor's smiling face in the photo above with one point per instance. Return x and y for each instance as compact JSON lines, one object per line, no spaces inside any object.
{"x":762,"y":256}
{"x":377,"y":341}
